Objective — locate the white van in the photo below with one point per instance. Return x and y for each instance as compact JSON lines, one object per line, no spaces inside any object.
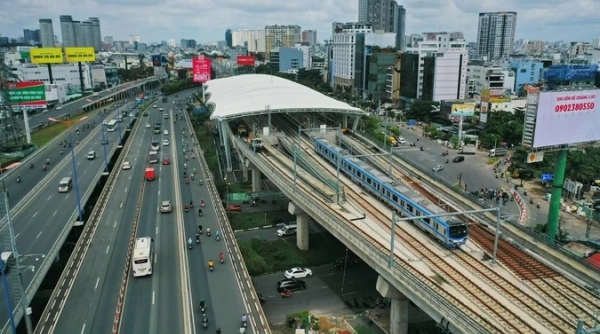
{"x":287,"y":230}
{"x":65,"y":185}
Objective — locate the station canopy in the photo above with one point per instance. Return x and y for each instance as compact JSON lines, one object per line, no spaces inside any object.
{"x":253,"y":94}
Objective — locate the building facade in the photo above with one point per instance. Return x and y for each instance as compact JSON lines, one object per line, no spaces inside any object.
{"x":47,"y":33}
{"x":277,"y":36}
{"x":496,"y":34}
{"x":489,"y":76}
{"x":81,"y":33}
{"x":31,"y":37}
{"x":346,"y":43}
{"x":62,"y":74}
{"x":385,"y":15}
{"x":253,"y":40}
{"x":435,"y":69}
{"x":67,"y":29}
{"x":527,"y":72}
{"x":228,"y":38}
{"x":309,"y":37}
{"x":290,"y":59}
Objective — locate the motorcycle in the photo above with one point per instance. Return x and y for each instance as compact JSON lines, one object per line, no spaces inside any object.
{"x":208,"y":231}
{"x":200,"y":212}
{"x":222,"y":260}
{"x":18,"y":179}
{"x":190,"y":244}
{"x":287,"y":294}
{"x":192,"y":176}
{"x":30,"y":166}
{"x":211,"y":268}
{"x":205,"y":323}
{"x":186,"y":208}
{"x":197,"y":238}
{"x":44,"y":168}
{"x":217,"y":237}
{"x":202,"y":204}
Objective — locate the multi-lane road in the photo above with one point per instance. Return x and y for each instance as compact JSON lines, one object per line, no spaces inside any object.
{"x":168,"y":300}
{"x":43,"y":217}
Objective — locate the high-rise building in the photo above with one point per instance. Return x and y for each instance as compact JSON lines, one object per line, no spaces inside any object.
{"x":228,"y":38}
{"x":31,"y":36}
{"x":67,"y":29}
{"x":109,"y":40}
{"x":96,"y":37}
{"x":47,"y":33}
{"x":87,"y":35}
{"x":282,"y":36}
{"x":496,"y":34}
{"x":384,"y":15}
{"x":134,"y":39}
{"x":309,"y":37}
{"x":253,"y":40}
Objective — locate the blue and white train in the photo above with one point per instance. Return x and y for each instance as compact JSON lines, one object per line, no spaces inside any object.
{"x":451,"y":232}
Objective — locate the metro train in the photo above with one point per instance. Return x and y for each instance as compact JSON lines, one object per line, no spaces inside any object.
{"x":451,"y":232}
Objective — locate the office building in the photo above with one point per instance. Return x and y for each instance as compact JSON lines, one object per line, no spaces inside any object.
{"x":495,"y":77}
{"x":496,"y":34}
{"x":188,"y":43}
{"x":133,"y":39}
{"x":67,"y":29}
{"x":61,"y":74}
{"x":384,"y":15}
{"x":109,"y":40}
{"x":346,"y":53}
{"x":253,"y":40}
{"x":31,"y":36}
{"x":96,"y":35}
{"x":47,"y":33}
{"x":435,"y":69}
{"x":228,"y":38}
{"x":526,"y":71}
{"x":277,"y":36}
{"x":290,"y":60}
{"x":309,"y":37}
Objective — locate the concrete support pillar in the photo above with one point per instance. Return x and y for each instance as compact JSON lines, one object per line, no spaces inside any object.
{"x":399,"y":307}
{"x":256,"y":180}
{"x":244,"y":172}
{"x":301,"y":225}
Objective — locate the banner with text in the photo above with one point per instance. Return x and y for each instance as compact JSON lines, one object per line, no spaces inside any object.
{"x":75,"y":55}
{"x":465,"y":110}
{"x":46,"y":56}
{"x":27,"y":95}
{"x":244,"y":60}
{"x":201,"y":69}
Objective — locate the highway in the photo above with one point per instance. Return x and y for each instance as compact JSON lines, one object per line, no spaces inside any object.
{"x":44,"y":214}
{"x":90,"y":305}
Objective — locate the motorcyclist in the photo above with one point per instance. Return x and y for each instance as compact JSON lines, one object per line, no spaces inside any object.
{"x":190,"y":242}
{"x":199,"y":212}
{"x":221,"y":257}
{"x":217,"y":235}
{"x":197,"y":236}
{"x":31,"y":165}
{"x":47,"y":161}
{"x":208,"y":230}
{"x":205,"y":321}
{"x":219,"y":330}
{"x":244,"y":318}
{"x":44,"y":167}
{"x":202,"y":203}
{"x":19,"y":178}
{"x":202,"y":303}
{"x":200,"y":228}
{"x":211,"y":263}
{"x":191,"y":204}
{"x":184,"y":165}
{"x":61,"y":152}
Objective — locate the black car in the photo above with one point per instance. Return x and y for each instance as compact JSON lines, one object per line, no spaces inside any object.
{"x":145,"y":114}
{"x":103,"y":141}
{"x":158,"y":123}
{"x":347,"y":262}
{"x":458,"y":159}
{"x":290,"y":284}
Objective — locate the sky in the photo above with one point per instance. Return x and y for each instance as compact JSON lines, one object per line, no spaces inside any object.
{"x":207,"y":20}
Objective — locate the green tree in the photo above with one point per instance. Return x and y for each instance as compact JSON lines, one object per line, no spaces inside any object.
{"x":422,"y":110}
{"x":182,"y":74}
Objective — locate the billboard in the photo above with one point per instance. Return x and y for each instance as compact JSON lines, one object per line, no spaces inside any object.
{"x":75,"y":55}
{"x":566,"y":117}
{"x":201,"y":69}
{"x":156,"y":61}
{"x":46,"y":56}
{"x":27,"y":95}
{"x":495,"y":95}
{"x":246,"y":60}
{"x":465,"y":110}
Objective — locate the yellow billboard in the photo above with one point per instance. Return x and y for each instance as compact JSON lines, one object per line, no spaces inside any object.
{"x":75,"y":55}
{"x":466,"y":110}
{"x":495,"y":95}
{"x":46,"y":55}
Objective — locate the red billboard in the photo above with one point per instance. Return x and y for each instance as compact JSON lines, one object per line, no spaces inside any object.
{"x":246,"y":60}
{"x":201,"y":69}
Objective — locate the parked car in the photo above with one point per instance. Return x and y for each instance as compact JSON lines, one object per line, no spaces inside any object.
{"x":287,"y":230}
{"x":234,"y":208}
{"x":290,"y":284}
{"x":460,"y":158}
{"x":298,"y":273}
{"x":165,"y":206}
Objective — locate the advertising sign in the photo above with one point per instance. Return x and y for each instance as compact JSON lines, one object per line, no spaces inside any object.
{"x":201,"y":69}
{"x":567,"y":118}
{"x":246,"y":60}
{"x":75,"y":55}
{"x":495,"y":95}
{"x":483,"y":115}
{"x":535,"y":157}
{"x":46,"y":56}
{"x":27,"y":95}
{"x":465,"y":110}
{"x":156,"y":61}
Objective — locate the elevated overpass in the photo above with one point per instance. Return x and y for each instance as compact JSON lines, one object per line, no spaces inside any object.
{"x":399,"y":279}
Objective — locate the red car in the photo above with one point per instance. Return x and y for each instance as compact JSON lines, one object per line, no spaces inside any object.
{"x":166,"y":161}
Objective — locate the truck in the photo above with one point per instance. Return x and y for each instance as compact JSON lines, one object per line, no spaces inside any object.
{"x":498,"y":152}
{"x":468,"y":149}
{"x":164,"y":99}
{"x":150,"y":176}
{"x":153,"y":157}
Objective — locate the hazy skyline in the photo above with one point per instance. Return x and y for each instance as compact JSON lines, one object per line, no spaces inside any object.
{"x":157,"y":20}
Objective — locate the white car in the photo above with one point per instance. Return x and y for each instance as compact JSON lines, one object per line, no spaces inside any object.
{"x":147,"y":125}
{"x":401,"y":141}
{"x":126,"y":165}
{"x":155,"y":106}
{"x":166,"y":132}
{"x":165,"y":207}
{"x":298,"y":273}
{"x":59,"y":108}
{"x":165,"y":142}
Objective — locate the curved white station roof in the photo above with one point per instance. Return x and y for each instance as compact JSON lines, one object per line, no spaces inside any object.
{"x":249,"y":94}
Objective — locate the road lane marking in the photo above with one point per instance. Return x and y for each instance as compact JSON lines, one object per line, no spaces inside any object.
{"x":127,"y":188}
{"x":16,"y":236}
{"x":83,"y":329}
{"x":39,"y":234}
{"x":35,"y":214}
{"x":54,"y":214}
{"x":153,"y":293}
{"x":156,"y":230}
{"x":115,"y":225}
{"x":121,"y":206}
{"x":107,"y":249}
{"x":49,"y":197}
{"x":97,"y":281}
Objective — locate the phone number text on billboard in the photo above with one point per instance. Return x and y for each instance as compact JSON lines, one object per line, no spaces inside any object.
{"x":567,"y":118}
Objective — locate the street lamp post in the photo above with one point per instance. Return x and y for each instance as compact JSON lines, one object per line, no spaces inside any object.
{"x":104,"y":148}
{"x":74,"y":164}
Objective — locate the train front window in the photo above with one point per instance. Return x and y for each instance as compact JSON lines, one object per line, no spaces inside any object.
{"x":458,"y":231}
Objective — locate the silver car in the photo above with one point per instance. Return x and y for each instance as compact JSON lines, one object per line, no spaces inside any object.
{"x":438,"y":168}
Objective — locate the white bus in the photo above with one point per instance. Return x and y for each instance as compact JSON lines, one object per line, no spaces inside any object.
{"x":143,"y":256}
{"x":111,"y":125}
